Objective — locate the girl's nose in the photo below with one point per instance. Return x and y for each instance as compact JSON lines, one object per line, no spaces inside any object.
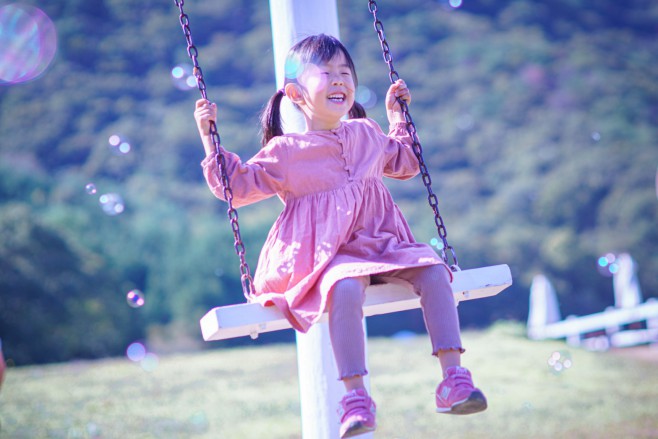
{"x":337,"y":80}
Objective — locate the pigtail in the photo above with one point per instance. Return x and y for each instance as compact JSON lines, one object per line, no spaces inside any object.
{"x":357,"y":111}
{"x":270,"y":118}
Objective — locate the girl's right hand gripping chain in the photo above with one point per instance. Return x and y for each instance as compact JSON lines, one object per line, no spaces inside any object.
{"x":205,"y":112}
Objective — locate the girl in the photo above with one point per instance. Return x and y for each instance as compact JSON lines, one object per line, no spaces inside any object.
{"x":340,"y":229}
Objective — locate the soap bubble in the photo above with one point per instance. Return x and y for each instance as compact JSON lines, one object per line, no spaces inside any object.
{"x":90,"y":188}
{"x":135,"y":298}
{"x":559,"y":361}
{"x":183,"y":77}
{"x":111,"y":203}
{"x":434,"y":242}
{"x":136,"y":352}
{"x":118,"y":145}
{"x":28,"y":39}
{"x":608,"y":265}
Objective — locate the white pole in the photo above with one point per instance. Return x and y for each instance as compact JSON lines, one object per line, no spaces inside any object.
{"x":319,"y":387}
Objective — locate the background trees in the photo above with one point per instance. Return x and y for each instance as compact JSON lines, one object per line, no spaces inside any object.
{"x":538,"y":124}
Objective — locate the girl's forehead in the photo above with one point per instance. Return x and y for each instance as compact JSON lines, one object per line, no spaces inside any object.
{"x":337,"y":60}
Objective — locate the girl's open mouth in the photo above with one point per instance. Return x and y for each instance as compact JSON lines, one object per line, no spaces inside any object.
{"x":337,"y":97}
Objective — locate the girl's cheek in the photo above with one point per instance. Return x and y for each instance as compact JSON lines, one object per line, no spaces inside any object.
{"x":313,"y":77}
{"x":317,"y":81}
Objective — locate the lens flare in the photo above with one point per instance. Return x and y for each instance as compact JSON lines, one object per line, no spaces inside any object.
{"x":293,"y":68}
{"x":28,"y":39}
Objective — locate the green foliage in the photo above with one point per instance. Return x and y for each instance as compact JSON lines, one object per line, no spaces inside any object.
{"x":538,"y":124}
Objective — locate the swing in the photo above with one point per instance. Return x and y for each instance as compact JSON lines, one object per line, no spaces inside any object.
{"x":396,"y":295}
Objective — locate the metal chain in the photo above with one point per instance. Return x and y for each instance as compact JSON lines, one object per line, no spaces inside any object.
{"x":417,"y":148}
{"x":193,"y":53}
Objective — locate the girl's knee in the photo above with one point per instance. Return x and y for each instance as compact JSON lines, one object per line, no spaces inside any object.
{"x":433,"y":275}
{"x":349,"y":292}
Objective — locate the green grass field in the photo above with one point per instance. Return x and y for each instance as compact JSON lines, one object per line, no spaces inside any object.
{"x":253,"y":393}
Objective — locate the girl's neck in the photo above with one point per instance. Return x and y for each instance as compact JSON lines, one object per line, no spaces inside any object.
{"x":316,"y":124}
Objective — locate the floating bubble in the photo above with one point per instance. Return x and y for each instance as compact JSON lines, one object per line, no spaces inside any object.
{"x":434,"y":242}
{"x":112,"y":204}
{"x":118,"y":145}
{"x":596,"y":136}
{"x":90,"y":188}
{"x":455,"y":3}
{"x":150,"y":362}
{"x":28,"y":39}
{"x":366,"y":97}
{"x":114,"y":140}
{"x":559,"y":361}
{"x":135,"y":298}
{"x":183,"y":77}
{"x":136,"y":352}
{"x":607,"y":264}
{"x":124,"y":147}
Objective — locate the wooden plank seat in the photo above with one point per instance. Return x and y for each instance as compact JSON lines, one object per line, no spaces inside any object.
{"x":251,"y":319}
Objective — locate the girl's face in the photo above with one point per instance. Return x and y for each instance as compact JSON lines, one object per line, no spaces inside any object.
{"x":327,"y":92}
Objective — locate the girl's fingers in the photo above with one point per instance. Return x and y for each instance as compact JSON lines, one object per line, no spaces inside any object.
{"x":401,"y":90}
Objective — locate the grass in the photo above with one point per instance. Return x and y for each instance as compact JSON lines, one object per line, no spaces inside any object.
{"x":252,"y":393}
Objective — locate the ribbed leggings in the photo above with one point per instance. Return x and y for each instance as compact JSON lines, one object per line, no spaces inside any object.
{"x":431,"y":283}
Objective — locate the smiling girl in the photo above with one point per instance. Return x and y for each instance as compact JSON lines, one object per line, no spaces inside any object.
{"x":340,"y":229}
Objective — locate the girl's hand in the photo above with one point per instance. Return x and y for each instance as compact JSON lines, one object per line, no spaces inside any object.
{"x":205,"y":112}
{"x":393,"y":109}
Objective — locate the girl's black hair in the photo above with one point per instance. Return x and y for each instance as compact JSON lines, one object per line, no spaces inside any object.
{"x":316,"y":49}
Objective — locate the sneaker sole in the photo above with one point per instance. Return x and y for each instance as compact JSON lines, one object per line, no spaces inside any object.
{"x":476,"y":402}
{"x":356,"y":429}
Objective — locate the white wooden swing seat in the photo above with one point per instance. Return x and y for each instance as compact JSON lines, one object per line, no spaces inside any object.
{"x":252,"y":318}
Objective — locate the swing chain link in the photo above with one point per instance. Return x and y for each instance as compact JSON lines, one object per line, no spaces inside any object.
{"x":417,"y":148}
{"x":193,"y":53}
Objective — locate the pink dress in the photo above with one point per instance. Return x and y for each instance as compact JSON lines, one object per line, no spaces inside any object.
{"x":339,"y":219}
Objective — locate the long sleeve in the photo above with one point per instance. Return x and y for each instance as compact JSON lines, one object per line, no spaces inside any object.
{"x":401,"y":162}
{"x":261,"y":177}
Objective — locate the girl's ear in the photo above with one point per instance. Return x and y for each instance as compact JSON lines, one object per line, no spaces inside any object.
{"x":294,"y":93}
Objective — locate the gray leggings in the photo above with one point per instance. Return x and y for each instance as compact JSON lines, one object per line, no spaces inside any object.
{"x":346,"y":300}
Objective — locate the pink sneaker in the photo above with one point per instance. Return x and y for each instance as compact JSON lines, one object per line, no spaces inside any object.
{"x":357,"y":413}
{"x":456,"y":394}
